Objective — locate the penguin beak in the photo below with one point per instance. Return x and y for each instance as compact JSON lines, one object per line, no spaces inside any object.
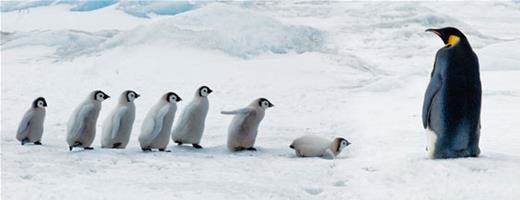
{"x":434,"y":31}
{"x":106,"y":96}
{"x":271,"y":105}
{"x":179,"y":99}
{"x":137,"y":95}
{"x":210,"y":91}
{"x":439,"y":33}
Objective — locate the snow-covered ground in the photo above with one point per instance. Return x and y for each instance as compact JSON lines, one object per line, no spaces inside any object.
{"x":351,"y":69}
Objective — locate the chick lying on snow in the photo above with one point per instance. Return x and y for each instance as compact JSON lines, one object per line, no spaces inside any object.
{"x":314,"y":146}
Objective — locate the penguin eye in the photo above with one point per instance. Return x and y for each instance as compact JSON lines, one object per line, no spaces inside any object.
{"x":204,"y":90}
{"x":40,"y":103}
{"x":173,"y":98}
{"x":132,"y":95}
{"x":99,"y":96}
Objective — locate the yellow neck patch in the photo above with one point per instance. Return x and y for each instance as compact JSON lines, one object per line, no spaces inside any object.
{"x":452,"y":40}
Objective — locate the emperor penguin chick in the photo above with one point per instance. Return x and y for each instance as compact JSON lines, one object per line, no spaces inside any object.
{"x":190,"y":126}
{"x":244,"y":126}
{"x":155,"y":131}
{"x":81,"y":128}
{"x":31,"y":126}
{"x":314,"y":146}
{"x":117,"y":127}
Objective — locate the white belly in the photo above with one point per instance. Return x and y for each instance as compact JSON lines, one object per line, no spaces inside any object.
{"x":431,"y":138}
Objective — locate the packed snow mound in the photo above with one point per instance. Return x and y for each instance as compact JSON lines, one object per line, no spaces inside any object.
{"x":68,"y":43}
{"x":501,"y":56}
{"x":8,"y":6}
{"x":406,"y":22}
{"x":145,"y":8}
{"x":77,"y":5}
{"x":92,"y":5}
{"x":235,"y":31}
{"x":135,"y":8}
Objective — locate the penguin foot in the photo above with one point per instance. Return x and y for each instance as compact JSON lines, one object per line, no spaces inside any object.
{"x":239,"y":148}
{"x":196,"y":146}
{"x":117,"y":145}
{"x":165,"y":150}
{"x":146,"y":149}
{"x":25,"y":141}
{"x":76,"y":144}
{"x":251,"y":149}
{"x":37,"y":143}
{"x":88,"y":148}
{"x":178,"y":142}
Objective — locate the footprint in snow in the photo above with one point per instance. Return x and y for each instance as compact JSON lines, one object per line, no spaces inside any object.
{"x":313,"y":191}
{"x":340,"y":184}
{"x":26,"y":177}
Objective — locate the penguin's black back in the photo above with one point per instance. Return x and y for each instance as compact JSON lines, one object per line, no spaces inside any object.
{"x":462,"y":90}
{"x":455,"y":108}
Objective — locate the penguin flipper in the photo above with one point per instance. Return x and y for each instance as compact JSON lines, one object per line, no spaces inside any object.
{"x":236,"y":112}
{"x":328,"y":155}
{"x":24,"y":125}
{"x":158,"y":121}
{"x":431,"y":92}
{"x":80,"y":118}
{"x":116,"y":120}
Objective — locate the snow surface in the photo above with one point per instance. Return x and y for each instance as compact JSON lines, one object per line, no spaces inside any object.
{"x":351,"y":69}
{"x":136,"y":8}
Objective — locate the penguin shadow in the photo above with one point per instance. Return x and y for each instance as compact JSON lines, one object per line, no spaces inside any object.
{"x":294,"y":156}
{"x":191,"y":149}
{"x":222,"y":150}
{"x":81,"y":150}
{"x":219,"y":150}
{"x":495,"y":156}
{"x":47,"y":146}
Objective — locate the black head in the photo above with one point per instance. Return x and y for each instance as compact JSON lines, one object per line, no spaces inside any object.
{"x":204,"y":91}
{"x":449,"y":35}
{"x":131,"y":95}
{"x":172,"y":97}
{"x":39,"y":103}
{"x":264,"y":103}
{"x":100,"y":95}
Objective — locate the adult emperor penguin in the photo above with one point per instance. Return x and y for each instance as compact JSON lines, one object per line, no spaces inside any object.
{"x":31,"y":126}
{"x":451,"y":109}
{"x":155,"y":132}
{"x":190,"y":126}
{"x":244,"y":126}
{"x":118,"y":125}
{"x":81,"y":128}
{"x":314,"y":146}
